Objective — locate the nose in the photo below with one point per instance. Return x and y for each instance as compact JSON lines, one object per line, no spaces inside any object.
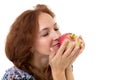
{"x":55,"y":35}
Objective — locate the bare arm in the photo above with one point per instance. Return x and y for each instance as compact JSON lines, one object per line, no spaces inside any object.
{"x":69,"y":73}
{"x":59,"y":75}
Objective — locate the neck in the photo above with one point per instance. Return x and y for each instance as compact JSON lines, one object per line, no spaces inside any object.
{"x":41,"y":62}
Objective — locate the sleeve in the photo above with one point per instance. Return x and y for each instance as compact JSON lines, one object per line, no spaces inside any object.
{"x":16,"y":75}
{"x":12,"y":76}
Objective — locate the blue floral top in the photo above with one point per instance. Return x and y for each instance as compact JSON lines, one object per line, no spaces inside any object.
{"x":17,"y":74}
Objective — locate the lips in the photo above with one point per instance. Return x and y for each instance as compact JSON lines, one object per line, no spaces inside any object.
{"x":56,"y":44}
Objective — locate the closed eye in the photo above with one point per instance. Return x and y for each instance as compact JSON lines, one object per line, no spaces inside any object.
{"x":46,"y":34}
{"x":56,"y":27}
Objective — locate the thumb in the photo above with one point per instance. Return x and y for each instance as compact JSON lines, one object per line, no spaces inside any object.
{"x":52,"y":53}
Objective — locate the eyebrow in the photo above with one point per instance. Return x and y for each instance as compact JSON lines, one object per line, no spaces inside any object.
{"x":44,"y":29}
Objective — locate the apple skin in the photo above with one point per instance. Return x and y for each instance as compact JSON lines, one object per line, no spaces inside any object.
{"x":71,"y":37}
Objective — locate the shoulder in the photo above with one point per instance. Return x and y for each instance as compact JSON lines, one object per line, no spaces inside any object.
{"x":16,"y":74}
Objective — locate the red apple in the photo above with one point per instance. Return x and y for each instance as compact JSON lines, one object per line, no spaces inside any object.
{"x":71,"y":37}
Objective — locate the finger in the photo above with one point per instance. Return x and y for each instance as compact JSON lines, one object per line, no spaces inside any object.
{"x":82,"y":44}
{"x":80,"y":50}
{"x":82,"y":41}
{"x":75,"y":56}
{"x":82,"y":47}
{"x":69,"y":49}
{"x":80,"y":37}
{"x":77,"y":50}
{"x":74,"y":52}
{"x":52,"y":54}
{"x":72,"y":57}
{"x":62,"y":47}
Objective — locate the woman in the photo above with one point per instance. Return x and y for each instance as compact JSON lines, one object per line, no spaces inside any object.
{"x":33,"y":46}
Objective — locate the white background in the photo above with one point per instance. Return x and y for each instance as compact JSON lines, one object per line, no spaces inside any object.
{"x":98,"y":21}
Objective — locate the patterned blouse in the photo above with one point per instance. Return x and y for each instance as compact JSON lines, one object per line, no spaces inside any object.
{"x":16,"y":74}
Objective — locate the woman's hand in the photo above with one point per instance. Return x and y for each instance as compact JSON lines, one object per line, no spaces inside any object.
{"x":81,"y":48}
{"x":65,"y":56}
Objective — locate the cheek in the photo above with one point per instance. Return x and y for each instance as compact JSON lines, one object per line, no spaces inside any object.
{"x":43,"y":46}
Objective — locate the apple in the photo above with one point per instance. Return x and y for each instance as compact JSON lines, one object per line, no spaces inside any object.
{"x":71,"y":37}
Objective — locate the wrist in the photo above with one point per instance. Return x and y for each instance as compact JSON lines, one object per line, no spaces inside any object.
{"x":57,"y":72}
{"x":58,"y":75}
{"x":69,"y":68}
{"x":69,"y":73}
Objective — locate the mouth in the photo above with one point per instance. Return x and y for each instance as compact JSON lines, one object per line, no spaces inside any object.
{"x":57,"y":44}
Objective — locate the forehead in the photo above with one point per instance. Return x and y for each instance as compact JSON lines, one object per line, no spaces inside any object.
{"x":45,"y":20}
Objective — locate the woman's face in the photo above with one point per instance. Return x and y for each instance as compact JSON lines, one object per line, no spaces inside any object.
{"x":48,"y":36}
